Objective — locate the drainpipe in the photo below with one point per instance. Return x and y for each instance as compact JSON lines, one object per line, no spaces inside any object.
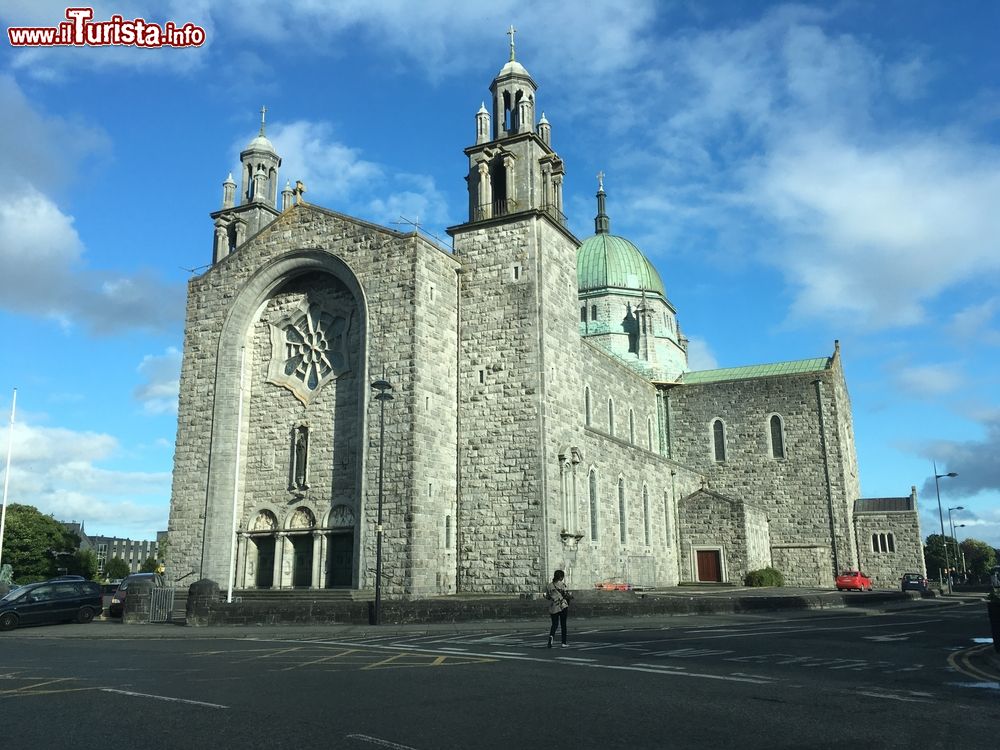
{"x":459,"y":521}
{"x":826,"y":475}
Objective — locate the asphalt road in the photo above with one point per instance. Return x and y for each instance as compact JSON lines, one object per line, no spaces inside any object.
{"x":803,"y":680}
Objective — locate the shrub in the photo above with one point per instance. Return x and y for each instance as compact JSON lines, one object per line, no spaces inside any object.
{"x":764,"y":577}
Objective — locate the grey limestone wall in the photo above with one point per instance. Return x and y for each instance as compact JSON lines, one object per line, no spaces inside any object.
{"x":881,"y":561}
{"x":803,"y":565}
{"x":794,"y":490}
{"x":379,"y":269}
{"x":500,"y":457}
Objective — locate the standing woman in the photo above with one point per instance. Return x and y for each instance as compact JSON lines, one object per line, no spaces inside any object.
{"x":559,"y":599}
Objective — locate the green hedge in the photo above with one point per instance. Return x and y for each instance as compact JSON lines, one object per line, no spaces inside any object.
{"x":764,"y":577}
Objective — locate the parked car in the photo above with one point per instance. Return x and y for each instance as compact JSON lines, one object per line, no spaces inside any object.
{"x":913,"y":582}
{"x":853,"y":579}
{"x":117,"y":606}
{"x":50,"y":601}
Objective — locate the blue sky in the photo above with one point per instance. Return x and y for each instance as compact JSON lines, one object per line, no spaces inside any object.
{"x":798,"y":173}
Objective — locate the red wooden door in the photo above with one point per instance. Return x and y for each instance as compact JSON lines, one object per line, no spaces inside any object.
{"x":709,"y":565}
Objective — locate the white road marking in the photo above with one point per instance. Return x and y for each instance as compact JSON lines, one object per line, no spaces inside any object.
{"x":379,"y":742}
{"x":890,"y":696}
{"x":506,"y":653}
{"x":161,"y":698}
{"x":574,"y":658}
{"x":893,"y":637}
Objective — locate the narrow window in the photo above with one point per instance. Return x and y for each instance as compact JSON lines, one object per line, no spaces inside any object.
{"x":666,"y":519}
{"x":593,"y":505}
{"x":777,"y":437}
{"x":586,"y":404}
{"x":631,"y":426}
{"x":482,"y":377}
{"x":611,"y":416}
{"x":432,"y":292}
{"x":427,"y":403}
{"x":430,"y":489}
{"x":645,"y":513}
{"x":649,"y":432}
{"x":593,"y":312}
{"x":515,"y":272}
{"x":447,"y":532}
{"x":892,"y":542}
{"x":875,"y":543}
{"x":583,"y":314}
{"x":719,"y":440}
{"x":622,"y":521}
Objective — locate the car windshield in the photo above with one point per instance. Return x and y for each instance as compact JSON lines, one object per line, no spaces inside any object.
{"x":13,"y":594}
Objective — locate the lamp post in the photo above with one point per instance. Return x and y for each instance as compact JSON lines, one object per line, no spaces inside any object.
{"x":937,"y":488}
{"x":951,"y":522}
{"x":383,"y":387}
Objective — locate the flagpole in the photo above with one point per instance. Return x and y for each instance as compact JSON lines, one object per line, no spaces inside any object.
{"x":6,"y":473}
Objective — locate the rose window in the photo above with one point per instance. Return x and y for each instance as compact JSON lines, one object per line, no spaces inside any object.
{"x":309,"y":346}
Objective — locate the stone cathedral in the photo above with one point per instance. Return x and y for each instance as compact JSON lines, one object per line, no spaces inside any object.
{"x":543,"y":414}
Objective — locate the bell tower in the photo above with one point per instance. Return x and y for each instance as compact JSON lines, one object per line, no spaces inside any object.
{"x":512,"y":167}
{"x":259,"y":164}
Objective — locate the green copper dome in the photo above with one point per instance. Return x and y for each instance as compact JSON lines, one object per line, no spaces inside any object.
{"x":607,"y":261}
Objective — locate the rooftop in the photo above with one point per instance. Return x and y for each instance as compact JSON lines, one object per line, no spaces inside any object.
{"x":793,"y":367}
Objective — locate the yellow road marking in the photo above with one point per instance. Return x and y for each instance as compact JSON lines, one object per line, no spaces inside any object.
{"x":960,"y":661}
{"x":320,"y":660}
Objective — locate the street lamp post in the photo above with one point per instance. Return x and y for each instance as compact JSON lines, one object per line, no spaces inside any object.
{"x":383,"y":387}
{"x":951,"y":522}
{"x":937,"y":487}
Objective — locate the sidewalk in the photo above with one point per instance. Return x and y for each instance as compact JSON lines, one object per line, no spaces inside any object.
{"x":472,"y":613}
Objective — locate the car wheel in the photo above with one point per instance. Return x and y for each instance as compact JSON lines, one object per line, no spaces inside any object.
{"x":8,"y":621}
{"x":85,"y":615}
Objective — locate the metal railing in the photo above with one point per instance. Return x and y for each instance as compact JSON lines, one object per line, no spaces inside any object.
{"x":495,"y":209}
{"x":161,"y":604}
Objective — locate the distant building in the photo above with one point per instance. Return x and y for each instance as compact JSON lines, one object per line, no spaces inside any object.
{"x":133,"y":551}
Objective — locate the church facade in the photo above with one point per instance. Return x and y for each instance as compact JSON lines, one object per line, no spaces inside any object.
{"x":542,"y":412}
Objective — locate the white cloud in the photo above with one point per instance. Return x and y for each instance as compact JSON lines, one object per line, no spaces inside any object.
{"x":162,"y":372}
{"x":975,"y":323}
{"x":700,"y":356}
{"x":330,"y":169}
{"x":42,"y":258}
{"x":929,"y":380}
{"x":58,"y":471}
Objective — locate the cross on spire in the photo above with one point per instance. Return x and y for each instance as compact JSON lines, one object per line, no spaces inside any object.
{"x":510,"y":32}
{"x":263,"y":111}
{"x":600,"y":181}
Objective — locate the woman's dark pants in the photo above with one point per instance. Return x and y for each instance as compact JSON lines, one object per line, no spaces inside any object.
{"x":560,"y":620}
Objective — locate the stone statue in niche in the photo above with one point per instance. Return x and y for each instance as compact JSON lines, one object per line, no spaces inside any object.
{"x":300,"y":458}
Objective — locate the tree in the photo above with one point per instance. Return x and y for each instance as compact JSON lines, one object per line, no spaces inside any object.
{"x":116,"y":568}
{"x":150,"y":565}
{"x":83,"y":563}
{"x":979,"y":557}
{"x":934,"y":553}
{"x":36,"y":545}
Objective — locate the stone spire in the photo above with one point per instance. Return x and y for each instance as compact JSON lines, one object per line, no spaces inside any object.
{"x":602,"y":224}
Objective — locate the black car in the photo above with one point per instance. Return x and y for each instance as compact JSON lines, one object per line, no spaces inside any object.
{"x":913,"y":582}
{"x":50,"y":601}
{"x":117,"y":605}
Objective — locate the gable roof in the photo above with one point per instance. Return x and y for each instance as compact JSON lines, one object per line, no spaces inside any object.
{"x":793,"y":367}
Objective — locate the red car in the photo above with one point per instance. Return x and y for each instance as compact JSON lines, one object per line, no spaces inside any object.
{"x":853,"y":579}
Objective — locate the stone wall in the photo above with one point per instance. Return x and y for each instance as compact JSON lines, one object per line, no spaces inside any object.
{"x":381,"y":272}
{"x":886,"y":568}
{"x":800,"y":503}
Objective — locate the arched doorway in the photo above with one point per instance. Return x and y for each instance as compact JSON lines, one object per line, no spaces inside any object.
{"x":262,"y":535}
{"x":300,"y":535}
{"x":340,"y":547}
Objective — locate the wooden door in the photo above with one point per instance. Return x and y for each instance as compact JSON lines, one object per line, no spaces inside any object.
{"x":709,"y":565}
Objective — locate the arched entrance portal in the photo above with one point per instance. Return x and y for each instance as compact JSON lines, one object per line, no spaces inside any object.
{"x":300,"y":535}
{"x":260,"y":565}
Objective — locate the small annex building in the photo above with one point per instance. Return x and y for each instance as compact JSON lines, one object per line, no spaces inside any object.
{"x":542,"y":413}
